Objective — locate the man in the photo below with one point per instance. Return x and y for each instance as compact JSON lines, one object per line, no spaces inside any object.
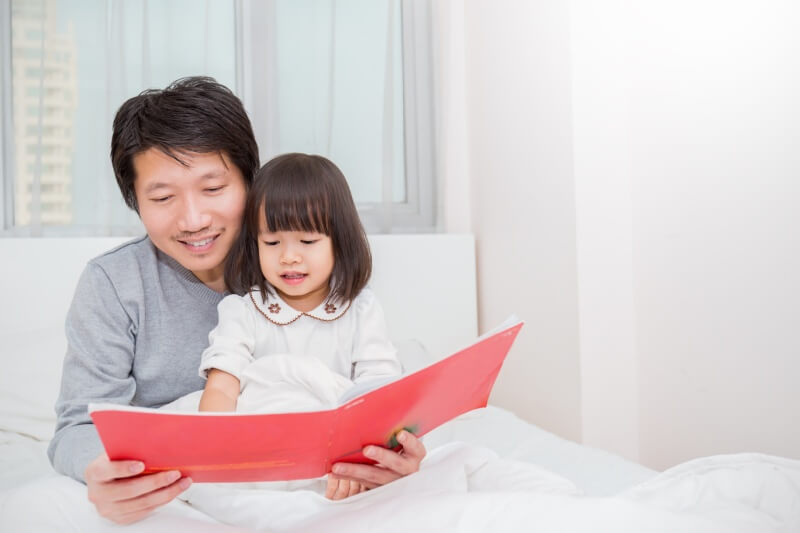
{"x":184,"y":158}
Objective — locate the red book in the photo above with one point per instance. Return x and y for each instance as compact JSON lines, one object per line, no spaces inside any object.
{"x":229,"y":447}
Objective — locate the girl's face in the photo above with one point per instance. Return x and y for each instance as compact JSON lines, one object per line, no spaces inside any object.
{"x":297,"y":264}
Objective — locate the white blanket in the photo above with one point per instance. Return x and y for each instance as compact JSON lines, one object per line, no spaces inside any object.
{"x":468,"y":488}
{"x":464,"y":487}
{"x":460,"y":487}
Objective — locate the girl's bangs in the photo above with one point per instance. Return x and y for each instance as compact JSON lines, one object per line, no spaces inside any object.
{"x":296,"y":214}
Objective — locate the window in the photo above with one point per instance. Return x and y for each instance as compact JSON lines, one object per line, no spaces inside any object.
{"x":348,"y":79}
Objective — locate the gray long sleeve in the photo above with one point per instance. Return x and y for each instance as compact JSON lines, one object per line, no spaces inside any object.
{"x":135,"y":330}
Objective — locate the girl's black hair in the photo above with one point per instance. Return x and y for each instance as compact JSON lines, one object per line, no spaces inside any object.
{"x":301,"y":192}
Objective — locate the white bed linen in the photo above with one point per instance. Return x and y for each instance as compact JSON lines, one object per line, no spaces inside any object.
{"x":41,"y":503}
{"x":469,"y":489}
{"x":463,"y":487}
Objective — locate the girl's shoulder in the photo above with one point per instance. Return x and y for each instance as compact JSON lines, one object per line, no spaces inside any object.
{"x":366,"y":301}
{"x":234,"y":304}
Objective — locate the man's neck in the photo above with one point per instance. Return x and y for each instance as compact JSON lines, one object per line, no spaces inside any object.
{"x":214,"y":279}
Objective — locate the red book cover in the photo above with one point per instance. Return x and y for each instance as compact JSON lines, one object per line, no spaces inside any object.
{"x":232,"y":447}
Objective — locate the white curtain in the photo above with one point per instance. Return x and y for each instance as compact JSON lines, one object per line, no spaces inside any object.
{"x":92,"y":55}
{"x":327,"y":77}
{"x":343,"y":78}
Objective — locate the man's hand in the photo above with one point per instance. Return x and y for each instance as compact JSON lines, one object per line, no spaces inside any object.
{"x":123,"y":496}
{"x":391,"y":465}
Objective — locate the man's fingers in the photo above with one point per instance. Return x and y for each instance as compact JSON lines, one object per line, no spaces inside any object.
{"x":126,"y":489}
{"x":404,"y":463}
{"x":102,"y":469}
{"x":393,"y":461}
{"x":150,"y":500}
{"x":412,"y":446}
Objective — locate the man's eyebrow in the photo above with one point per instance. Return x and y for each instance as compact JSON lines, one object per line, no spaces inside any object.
{"x":155,"y":185}
{"x":211,"y":174}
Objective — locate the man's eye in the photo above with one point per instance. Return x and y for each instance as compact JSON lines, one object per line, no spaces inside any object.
{"x":215,"y":189}
{"x":160,"y":199}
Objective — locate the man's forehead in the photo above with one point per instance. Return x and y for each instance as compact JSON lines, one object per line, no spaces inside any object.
{"x":155,"y":168}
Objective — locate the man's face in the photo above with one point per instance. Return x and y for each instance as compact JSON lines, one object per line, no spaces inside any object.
{"x":192,"y":213}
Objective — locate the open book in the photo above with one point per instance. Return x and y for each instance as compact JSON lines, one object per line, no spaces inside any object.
{"x":229,"y":447}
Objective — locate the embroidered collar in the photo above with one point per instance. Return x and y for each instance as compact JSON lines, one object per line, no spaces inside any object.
{"x":280,"y":313}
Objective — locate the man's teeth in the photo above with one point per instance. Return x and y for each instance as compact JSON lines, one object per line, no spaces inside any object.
{"x":198,"y":244}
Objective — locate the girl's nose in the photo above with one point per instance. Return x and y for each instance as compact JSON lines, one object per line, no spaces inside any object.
{"x":289,"y":256}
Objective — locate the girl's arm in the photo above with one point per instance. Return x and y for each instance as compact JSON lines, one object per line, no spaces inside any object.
{"x":221,"y":392}
{"x":230,"y":350}
{"x":373,"y":353}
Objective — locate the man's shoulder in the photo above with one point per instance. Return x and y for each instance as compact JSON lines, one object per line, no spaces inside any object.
{"x":129,"y":258}
{"x":140,"y":248}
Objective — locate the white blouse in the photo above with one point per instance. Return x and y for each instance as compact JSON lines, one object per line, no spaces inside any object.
{"x":351,"y":339}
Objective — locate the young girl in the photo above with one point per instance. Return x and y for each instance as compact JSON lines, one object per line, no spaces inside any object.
{"x":298,"y":271}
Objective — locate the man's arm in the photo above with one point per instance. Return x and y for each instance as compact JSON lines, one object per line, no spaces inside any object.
{"x":98,"y":368}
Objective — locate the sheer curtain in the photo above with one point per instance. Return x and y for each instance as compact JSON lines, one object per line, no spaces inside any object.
{"x":348,"y":79}
{"x":74,"y":63}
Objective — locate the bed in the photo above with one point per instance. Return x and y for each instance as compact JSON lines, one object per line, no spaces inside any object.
{"x":487,"y":469}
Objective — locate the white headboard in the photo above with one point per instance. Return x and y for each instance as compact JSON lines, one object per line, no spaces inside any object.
{"x":425,"y":282}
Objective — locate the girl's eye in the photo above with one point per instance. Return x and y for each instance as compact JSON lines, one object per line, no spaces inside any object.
{"x":309,"y":242}
{"x":271,"y":243}
{"x":215,"y":189}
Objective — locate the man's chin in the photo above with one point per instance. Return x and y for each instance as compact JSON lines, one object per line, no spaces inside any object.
{"x":199,"y":264}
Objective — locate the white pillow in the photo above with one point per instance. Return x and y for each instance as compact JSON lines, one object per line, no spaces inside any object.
{"x":30,"y":378}
{"x":412,"y":355}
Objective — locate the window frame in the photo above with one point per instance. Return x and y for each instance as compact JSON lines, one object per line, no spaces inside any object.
{"x":7,"y":122}
{"x":416,"y":214}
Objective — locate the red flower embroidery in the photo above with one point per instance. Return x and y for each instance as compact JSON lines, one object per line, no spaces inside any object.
{"x":330,"y":308}
{"x":274,"y":308}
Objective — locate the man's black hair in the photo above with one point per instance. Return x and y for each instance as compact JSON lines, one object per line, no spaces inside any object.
{"x":194,"y":114}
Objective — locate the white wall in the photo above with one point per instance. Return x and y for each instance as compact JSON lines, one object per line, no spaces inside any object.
{"x":715,"y":146}
{"x":523,"y":200}
{"x":633,"y":169}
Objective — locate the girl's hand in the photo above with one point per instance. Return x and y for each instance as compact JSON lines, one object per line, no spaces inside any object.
{"x":339,"y":489}
{"x":391,"y":465}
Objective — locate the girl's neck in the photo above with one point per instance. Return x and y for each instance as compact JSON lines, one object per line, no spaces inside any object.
{"x":306,"y":302}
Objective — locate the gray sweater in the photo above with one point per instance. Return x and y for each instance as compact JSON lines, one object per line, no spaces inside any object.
{"x":135,"y":330}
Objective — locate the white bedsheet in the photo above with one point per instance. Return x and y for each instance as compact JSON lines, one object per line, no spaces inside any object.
{"x":42,"y":503}
{"x":467,"y":488}
{"x":463,"y":487}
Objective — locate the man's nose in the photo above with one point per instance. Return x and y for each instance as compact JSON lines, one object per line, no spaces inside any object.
{"x":194,"y":216}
